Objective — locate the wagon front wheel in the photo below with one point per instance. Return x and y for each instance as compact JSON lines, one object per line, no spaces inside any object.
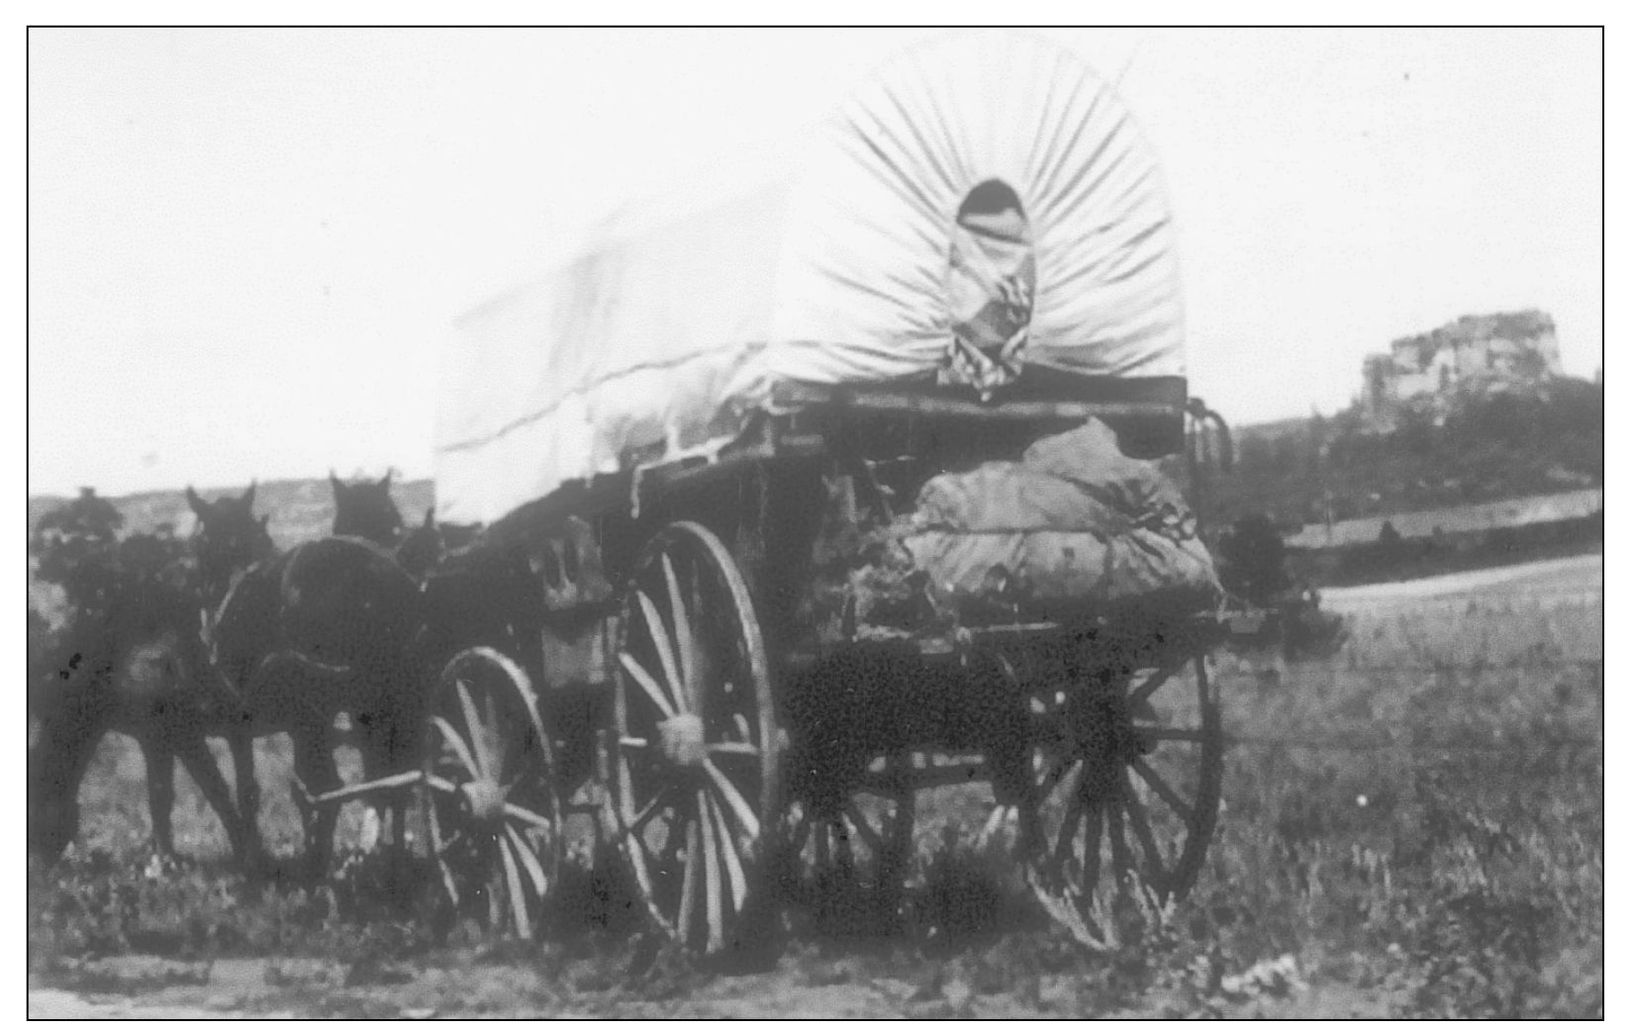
{"x":1127,"y":780}
{"x":695,"y":739}
{"x":489,"y":798}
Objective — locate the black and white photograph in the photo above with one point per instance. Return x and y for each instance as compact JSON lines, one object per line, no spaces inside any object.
{"x":832,"y":523}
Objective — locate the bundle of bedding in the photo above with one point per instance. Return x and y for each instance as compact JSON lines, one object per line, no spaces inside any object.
{"x":1073,"y":529}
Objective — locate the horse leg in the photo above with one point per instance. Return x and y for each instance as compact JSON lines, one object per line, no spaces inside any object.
{"x":200,"y":764}
{"x":387,"y":744}
{"x":241,"y":741}
{"x":161,"y":789}
{"x":373,"y":749}
{"x":315,"y":765}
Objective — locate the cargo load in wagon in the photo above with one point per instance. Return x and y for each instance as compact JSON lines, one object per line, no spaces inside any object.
{"x":1073,"y":532}
{"x":980,"y":223}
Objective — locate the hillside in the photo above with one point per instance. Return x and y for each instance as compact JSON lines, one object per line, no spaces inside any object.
{"x":301,"y":509}
{"x":1485,"y":445}
{"x":1488,"y":446}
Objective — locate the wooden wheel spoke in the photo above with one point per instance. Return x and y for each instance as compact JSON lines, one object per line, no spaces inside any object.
{"x":1142,"y":832}
{"x":822,"y":839}
{"x":844,"y":855}
{"x":533,"y":818}
{"x":801,"y":834}
{"x":1121,"y":859}
{"x":513,"y":883}
{"x":734,"y":864}
{"x":640,"y":853}
{"x":1169,"y":795}
{"x":437,"y":847}
{"x":1096,"y":822}
{"x":648,"y":684}
{"x":1051,"y":780}
{"x":451,"y":737}
{"x":496,"y":748}
{"x":740,"y":808}
{"x":448,"y":884}
{"x":686,"y":643}
{"x":650,"y":808}
{"x":530,"y":861}
{"x":1069,"y":820}
{"x":714,"y":888}
{"x":661,"y":643}
{"x":690,"y":882}
{"x":1144,"y":690}
{"x":477,"y":733}
{"x":863,"y":828}
{"x":643,"y":875}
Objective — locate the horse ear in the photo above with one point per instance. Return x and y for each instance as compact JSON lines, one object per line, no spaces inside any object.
{"x":431,"y":518}
{"x":335,"y":483}
{"x":385,"y":483}
{"x":249,"y":495}
{"x":195,"y":502}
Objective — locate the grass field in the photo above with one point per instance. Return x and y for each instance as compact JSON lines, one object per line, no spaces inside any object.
{"x":1414,"y":827}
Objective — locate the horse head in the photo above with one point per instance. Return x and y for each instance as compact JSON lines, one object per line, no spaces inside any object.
{"x":423,"y":547}
{"x":365,"y":510}
{"x":228,"y":539}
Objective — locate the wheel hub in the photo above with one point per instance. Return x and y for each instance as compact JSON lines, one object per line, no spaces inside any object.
{"x":1106,"y":736}
{"x":484,"y":799}
{"x":681,"y":739}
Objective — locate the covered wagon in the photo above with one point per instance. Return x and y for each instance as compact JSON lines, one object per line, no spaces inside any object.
{"x":834,"y":489}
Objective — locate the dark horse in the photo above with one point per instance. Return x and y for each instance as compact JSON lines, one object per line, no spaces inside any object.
{"x":365,"y":510}
{"x":129,"y":659}
{"x":288,"y":642}
{"x":300,"y":637}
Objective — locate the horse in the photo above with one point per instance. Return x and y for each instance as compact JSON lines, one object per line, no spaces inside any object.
{"x":423,"y":547}
{"x":131,"y":660}
{"x":289,"y":641}
{"x":302,"y":636}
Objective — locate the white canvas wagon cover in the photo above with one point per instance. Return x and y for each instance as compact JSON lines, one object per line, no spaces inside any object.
{"x":859,"y":266}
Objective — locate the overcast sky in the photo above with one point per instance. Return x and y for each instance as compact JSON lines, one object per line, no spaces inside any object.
{"x":246,"y":246}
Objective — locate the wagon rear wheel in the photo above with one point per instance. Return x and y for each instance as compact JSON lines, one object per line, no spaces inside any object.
{"x":1127,"y":779}
{"x":489,"y":798}
{"x":695,"y":737}
{"x":853,"y":862}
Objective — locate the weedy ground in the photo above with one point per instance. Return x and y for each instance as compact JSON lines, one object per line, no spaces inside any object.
{"x":1414,"y":827}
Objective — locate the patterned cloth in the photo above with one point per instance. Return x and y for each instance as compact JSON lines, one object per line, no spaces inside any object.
{"x":991,"y":281}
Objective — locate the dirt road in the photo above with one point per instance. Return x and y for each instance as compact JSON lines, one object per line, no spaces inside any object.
{"x":1565,"y":580}
{"x":804,"y":985}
